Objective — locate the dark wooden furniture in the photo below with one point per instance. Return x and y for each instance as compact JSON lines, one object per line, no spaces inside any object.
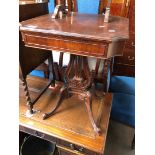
{"x":117,"y":7}
{"x":76,"y":34}
{"x":30,"y":9}
{"x":125,"y":65}
{"x":31,"y":58}
{"x":72,"y":133}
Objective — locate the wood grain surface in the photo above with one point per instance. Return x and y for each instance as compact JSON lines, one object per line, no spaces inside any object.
{"x":70,"y":122}
{"x":80,"y":25}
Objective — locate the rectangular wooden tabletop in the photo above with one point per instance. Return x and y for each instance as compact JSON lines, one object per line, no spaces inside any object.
{"x":79,"y":34}
{"x":70,"y":122}
{"x":88,"y":26}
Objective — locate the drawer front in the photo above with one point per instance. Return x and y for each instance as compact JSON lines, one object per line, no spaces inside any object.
{"x":130,"y":44}
{"x":128,"y":57}
{"x":70,"y":147}
{"x":67,"y":151}
{"x":123,"y":70}
{"x":77,"y":47}
{"x":37,"y":134}
{"x":63,"y":147}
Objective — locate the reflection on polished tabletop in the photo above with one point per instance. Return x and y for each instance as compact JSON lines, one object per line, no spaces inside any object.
{"x":80,"y":25}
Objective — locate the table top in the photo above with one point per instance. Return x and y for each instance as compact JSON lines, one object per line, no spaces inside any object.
{"x":70,"y":122}
{"x":88,"y":26}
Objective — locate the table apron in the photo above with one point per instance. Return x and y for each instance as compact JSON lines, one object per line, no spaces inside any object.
{"x":77,"y":47}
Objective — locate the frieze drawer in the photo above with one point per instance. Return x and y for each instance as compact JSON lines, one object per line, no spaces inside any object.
{"x":86,"y":48}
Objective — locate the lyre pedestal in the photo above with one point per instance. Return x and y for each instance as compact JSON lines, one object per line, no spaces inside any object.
{"x":78,"y":80}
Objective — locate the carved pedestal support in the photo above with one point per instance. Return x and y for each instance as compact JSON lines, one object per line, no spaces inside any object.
{"x":78,"y":80}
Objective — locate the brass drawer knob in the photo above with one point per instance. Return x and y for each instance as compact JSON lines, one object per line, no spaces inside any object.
{"x":81,"y":149}
{"x":72,"y":146}
{"x":38,"y":134}
{"x":133,"y":44}
{"x":131,"y":58}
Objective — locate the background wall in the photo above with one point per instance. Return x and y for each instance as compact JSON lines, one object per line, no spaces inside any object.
{"x":84,"y":6}
{"x":51,"y":5}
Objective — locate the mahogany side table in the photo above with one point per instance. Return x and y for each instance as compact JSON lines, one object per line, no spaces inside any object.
{"x":81,"y":35}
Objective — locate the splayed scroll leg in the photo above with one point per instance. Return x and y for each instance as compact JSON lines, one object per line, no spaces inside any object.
{"x":63,"y":94}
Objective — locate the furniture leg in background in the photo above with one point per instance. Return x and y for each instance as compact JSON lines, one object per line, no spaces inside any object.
{"x":23,"y":75}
